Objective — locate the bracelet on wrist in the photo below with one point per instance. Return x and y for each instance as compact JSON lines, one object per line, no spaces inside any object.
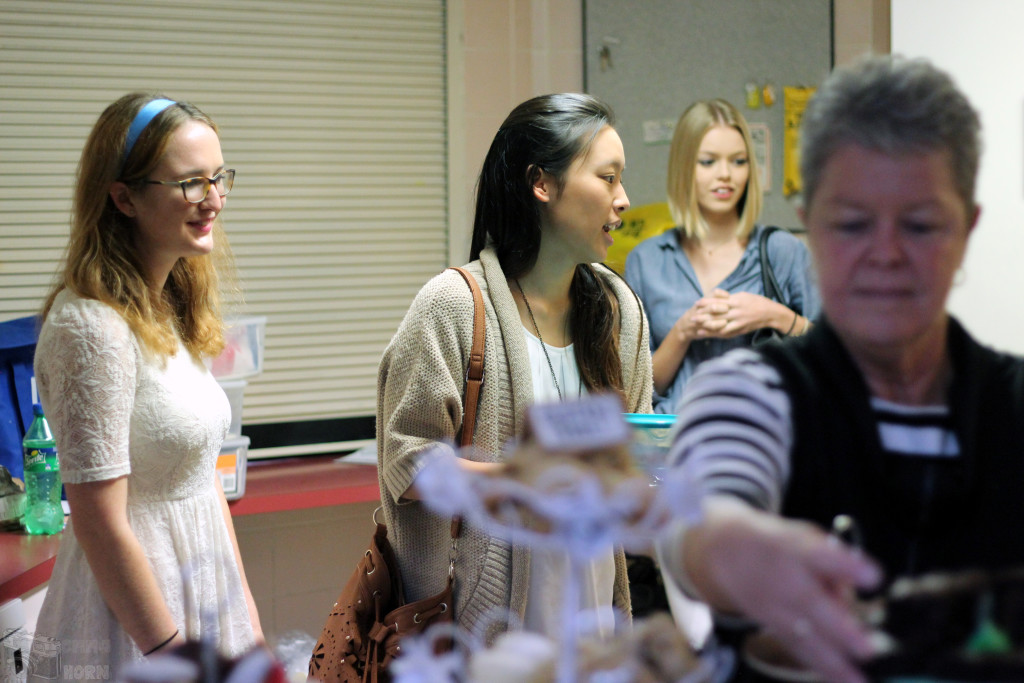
{"x":792,"y":325}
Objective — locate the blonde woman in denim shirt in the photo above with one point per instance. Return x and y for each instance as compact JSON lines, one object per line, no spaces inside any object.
{"x":701,"y":282}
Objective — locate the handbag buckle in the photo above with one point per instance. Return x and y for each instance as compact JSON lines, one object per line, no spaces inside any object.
{"x":483,"y":373}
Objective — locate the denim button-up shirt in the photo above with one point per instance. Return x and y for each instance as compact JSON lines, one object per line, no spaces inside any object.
{"x":662,"y":276}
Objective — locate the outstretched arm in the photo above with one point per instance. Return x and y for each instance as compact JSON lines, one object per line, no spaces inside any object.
{"x":739,"y":556}
{"x":420,"y":384}
{"x":790,"y":577}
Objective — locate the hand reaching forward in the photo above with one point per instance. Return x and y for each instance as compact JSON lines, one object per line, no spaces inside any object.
{"x":790,"y":577}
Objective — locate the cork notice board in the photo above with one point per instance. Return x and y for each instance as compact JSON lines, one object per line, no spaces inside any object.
{"x":649,"y":59}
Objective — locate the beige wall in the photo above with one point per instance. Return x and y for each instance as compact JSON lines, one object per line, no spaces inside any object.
{"x":298,"y":561}
{"x":502,"y":52}
{"x":861,"y":26}
{"x":978,"y":44}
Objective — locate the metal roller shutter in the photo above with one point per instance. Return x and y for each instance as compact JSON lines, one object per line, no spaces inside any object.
{"x":332,"y":112}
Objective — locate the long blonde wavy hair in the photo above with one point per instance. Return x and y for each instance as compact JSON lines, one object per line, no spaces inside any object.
{"x":101,"y":261}
{"x":693,"y":125}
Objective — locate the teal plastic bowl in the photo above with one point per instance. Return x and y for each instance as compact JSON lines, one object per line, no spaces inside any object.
{"x":651,"y":441}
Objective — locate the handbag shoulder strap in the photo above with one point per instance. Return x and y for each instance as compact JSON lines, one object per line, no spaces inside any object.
{"x":475,"y":373}
{"x":772,"y":290}
{"x":474,"y":383}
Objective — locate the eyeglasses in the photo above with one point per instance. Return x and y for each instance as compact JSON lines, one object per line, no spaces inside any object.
{"x":196,"y":189}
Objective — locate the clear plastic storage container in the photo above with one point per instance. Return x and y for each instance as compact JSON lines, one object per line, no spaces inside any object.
{"x":231,"y":466}
{"x":235,"y":389}
{"x":242,"y":357}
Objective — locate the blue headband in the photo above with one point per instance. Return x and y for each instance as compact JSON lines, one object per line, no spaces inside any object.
{"x":139,"y":123}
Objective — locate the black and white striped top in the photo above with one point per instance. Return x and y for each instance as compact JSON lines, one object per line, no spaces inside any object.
{"x":734,"y":433}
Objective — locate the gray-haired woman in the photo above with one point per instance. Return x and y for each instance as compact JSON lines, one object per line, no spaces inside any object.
{"x":888,"y":411}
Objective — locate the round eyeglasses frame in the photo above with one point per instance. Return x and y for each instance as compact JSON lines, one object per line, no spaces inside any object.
{"x":223,"y":181}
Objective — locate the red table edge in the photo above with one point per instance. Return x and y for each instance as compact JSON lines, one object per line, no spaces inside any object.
{"x":277,"y":486}
{"x":31,"y":578}
{"x":302,"y":483}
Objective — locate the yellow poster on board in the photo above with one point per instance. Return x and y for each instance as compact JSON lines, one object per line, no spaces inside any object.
{"x":796,"y":99}
{"x":638,"y":224}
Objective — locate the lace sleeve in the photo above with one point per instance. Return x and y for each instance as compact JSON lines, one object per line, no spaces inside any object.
{"x":85,"y":367}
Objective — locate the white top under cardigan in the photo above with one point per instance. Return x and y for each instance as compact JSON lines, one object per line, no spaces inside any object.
{"x":545,"y":599}
{"x":419,"y":404}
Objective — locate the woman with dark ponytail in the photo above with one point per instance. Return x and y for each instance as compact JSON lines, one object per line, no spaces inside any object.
{"x":559,"y":325}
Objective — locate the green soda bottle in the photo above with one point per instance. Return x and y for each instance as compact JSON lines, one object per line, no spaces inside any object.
{"x":43,"y":513}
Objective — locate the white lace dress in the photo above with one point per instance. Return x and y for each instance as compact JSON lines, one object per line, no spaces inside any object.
{"x":117,"y":413}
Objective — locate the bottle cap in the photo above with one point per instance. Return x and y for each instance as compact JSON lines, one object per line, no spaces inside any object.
{"x":37,"y":408}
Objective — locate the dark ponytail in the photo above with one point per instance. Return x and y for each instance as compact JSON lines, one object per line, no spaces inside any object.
{"x":594,"y":326}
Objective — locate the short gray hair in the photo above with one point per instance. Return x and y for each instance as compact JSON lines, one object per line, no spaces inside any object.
{"x":893,"y":105}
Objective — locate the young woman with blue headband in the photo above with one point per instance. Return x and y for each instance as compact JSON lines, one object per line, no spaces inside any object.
{"x":150,"y":557}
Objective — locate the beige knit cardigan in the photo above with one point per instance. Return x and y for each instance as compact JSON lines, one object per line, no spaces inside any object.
{"x":419,"y":403}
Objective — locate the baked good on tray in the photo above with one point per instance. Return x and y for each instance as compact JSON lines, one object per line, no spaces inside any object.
{"x":955,"y":626}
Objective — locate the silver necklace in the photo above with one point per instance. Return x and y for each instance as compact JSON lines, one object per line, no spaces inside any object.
{"x":539,"y":338}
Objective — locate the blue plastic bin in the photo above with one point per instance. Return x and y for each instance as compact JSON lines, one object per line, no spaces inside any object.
{"x":17,"y":348}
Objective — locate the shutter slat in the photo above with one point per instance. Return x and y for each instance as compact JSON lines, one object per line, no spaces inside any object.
{"x":333,"y":114}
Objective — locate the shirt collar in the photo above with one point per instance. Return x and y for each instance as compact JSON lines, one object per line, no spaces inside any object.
{"x":669,"y":239}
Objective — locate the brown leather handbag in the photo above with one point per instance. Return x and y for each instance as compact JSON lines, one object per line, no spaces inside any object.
{"x":364,"y":630}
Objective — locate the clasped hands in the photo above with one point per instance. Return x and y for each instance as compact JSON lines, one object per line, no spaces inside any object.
{"x":724,"y":315}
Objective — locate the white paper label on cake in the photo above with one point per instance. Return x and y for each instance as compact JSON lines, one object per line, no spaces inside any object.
{"x":594,"y":421}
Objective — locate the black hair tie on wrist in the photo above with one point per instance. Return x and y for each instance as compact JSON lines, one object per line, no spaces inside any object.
{"x":173,"y":636}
